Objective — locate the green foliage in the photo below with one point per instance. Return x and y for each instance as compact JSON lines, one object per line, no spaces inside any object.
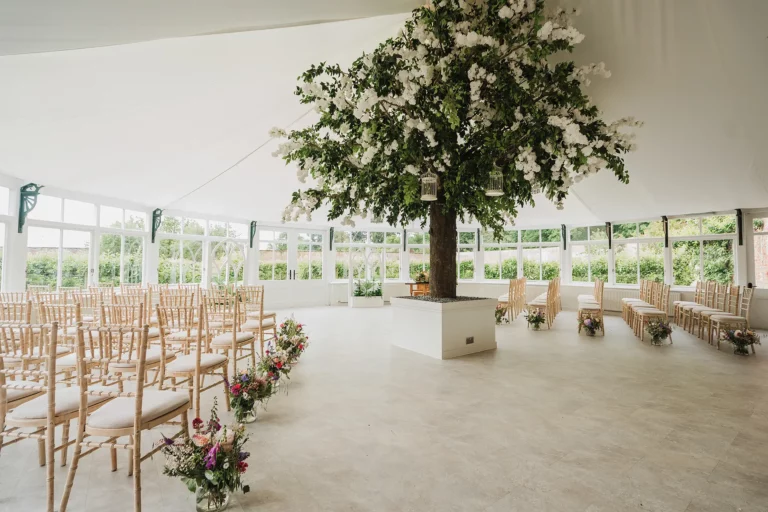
{"x":367,"y":288}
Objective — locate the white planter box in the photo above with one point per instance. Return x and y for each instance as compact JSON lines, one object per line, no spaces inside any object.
{"x":366,"y":302}
{"x":440,"y":330}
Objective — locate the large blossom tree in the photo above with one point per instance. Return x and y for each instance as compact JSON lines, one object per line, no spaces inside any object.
{"x":466,"y":89}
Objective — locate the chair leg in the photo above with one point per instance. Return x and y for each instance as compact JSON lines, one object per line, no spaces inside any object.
{"x":73,"y":466}
{"x":64,"y":441}
{"x":41,"y":452}
{"x":226,"y":388}
{"x":136,"y":463}
{"x":113,"y":457}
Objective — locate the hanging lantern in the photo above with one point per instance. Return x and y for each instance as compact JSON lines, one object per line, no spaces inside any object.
{"x":495,"y":184}
{"x":429,"y":187}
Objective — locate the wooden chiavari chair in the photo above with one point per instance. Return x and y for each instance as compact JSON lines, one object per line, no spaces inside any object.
{"x":33,"y":289}
{"x":105,"y":292}
{"x":593,"y":308}
{"x":710,"y":290}
{"x":14,"y":297}
{"x":189,"y":371}
{"x":90,"y":306}
{"x":698,"y":299}
{"x":241,"y":343}
{"x":547,"y":302}
{"x":727,"y":322}
{"x":251,"y":298}
{"x":128,"y":414}
{"x":129,"y":287}
{"x":507,"y":300}
{"x":722,"y":291}
{"x":67,"y":316}
{"x":627,"y":302}
{"x":731,"y":309}
{"x":49,"y":297}
{"x":642,"y":315}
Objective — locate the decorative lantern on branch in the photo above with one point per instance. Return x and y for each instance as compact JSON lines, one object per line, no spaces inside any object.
{"x":429,"y":187}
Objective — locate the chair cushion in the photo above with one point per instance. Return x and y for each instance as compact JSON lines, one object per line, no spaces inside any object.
{"x":630,"y":299}
{"x":254,"y":324}
{"x":504,"y":298}
{"x":119,"y":413}
{"x":152,"y":333}
{"x":218,"y":324}
{"x":650,"y":312}
{"x":70,"y":360}
{"x":18,"y":394}
{"x":589,"y":305}
{"x":182,"y":335}
{"x":67,"y":401}
{"x":700,"y":309}
{"x":682,"y":302}
{"x":187,"y":363}
{"x":225,"y":339}
{"x":715,"y":312}
{"x":590,"y":298}
{"x":255,"y":314}
{"x":153,"y":356}
{"x":728,"y":319}
{"x":60,"y":351}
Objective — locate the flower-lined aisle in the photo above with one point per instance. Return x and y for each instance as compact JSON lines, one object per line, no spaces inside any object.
{"x":212,"y":461}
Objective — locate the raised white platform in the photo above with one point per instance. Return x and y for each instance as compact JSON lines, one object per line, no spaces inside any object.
{"x":441,"y":330}
{"x":366,"y":302}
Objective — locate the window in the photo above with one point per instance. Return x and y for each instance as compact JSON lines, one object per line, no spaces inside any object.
{"x":135,"y":220}
{"x":273,"y":255}
{"x":541,"y":253}
{"x":418,"y":253}
{"x":121,"y":259}
{"x":77,"y":212}
{"x":47,"y":208}
{"x":369,"y":254}
{"x":760,"y":246}
{"x":309,"y":256}
{"x":589,"y":254}
{"x":228,"y":262}
{"x":465,"y":258}
{"x":57,"y":257}
{"x":5,"y":195}
{"x":170,"y":225}
{"x":637,"y":257}
{"x":193,"y":226}
{"x":500,"y":256}
{"x":702,"y":249}
{"x":180,"y":261}
{"x":110,"y":217}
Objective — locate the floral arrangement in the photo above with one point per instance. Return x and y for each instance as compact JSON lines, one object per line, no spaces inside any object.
{"x":591,"y":324}
{"x":211,"y":462}
{"x":659,"y":331}
{"x":535,"y":318}
{"x":248,"y":390}
{"x":291,"y":339}
{"x":367,"y":288}
{"x":274,"y":364}
{"x":741,"y":340}
{"x":501,"y":312}
{"x":422,"y":277}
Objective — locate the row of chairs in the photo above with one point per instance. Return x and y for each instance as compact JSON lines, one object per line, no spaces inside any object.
{"x":652,"y":304}
{"x":549,"y":303}
{"x":514,"y":299}
{"x":716,"y":307}
{"x":592,"y":305}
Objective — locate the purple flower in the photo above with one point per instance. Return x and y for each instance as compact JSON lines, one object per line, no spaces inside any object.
{"x":244,"y":378}
{"x":242,"y":456}
{"x":167,"y":441}
{"x":210,"y":459}
{"x":587,"y":322}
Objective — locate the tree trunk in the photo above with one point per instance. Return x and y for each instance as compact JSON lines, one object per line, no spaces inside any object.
{"x":442,"y":252}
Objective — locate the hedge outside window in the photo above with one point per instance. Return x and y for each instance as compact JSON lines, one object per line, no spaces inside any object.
{"x":273,"y":255}
{"x":356,"y":247}
{"x":760,"y":247}
{"x":118,"y":252}
{"x":227,"y":262}
{"x":702,"y":249}
{"x":465,"y":257}
{"x":57,"y":257}
{"x":418,"y":253}
{"x":589,"y":256}
{"x":500,"y":256}
{"x":635,"y":256}
{"x":309,"y":256}
{"x":541,"y":254}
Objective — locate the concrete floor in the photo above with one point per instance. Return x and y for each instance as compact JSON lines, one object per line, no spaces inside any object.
{"x":551,"y":421}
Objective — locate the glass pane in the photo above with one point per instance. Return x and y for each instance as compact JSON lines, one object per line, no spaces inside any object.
{"x":550,"y":263}
{"x":341,"y":237}
{"x":508,"y":263}
{"x":718,"y":260}
{"x":192,"y":261}
{"x":579,"y":264}
{"x":377,"y":237}
{"x":217,"y":228}
{"x":47,"y":208}
{"x":135,"y":220}
{"x":418,"y":238}
{"x":266,"y":234}
{"x":303,"y":237}
{"x":359,"y":237}
{"x":624,"y":230}
{"x":760,"y":225}
{"x":42,"y":256}
{"x":683,"y":227}
{"x":392,"y":262}
{"x":652,"y":229}
{"x":598,"y":233}
{"x":578,"y":234}
{"x":110,"y":217}
{"x":342,"y":262}
{"x":625,"y":261}
{"x":281,"y":258}
{"x":466,"y":263}
{"x":531,"y":263}
{"x":5,"y":195}
{"x":316,"y":262}
{"x":74,"y":261}
{"x":109,"y":259}
{"x":170,"y":225}
{"x":598,"y":262}
{"x":374,"y":262}
{"x":467,"y":237}
{"x":530,"y":235}
{"x":685,"y":263}
{"x":193,"y":226}
{"x":761,"y":261}
{"x":169,"y":262}
{"x":550,"y":235}
{"x":236,"y":230}
{"x":492,"y":262}
{"x":652,"y":261}
{"x":393,"y":237}
{"x":418,"y":260}
{"x":719,"y":224}
{"x":133,"y":259}
{"x":302,"y":260}
{"x":316,"y":237}
{"x":78,"y":212}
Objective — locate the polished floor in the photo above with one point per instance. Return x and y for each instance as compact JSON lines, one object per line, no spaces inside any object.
{"x":551,"y":421}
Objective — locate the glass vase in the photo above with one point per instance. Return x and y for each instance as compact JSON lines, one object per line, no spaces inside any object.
{"x":211,"y":501}
{"x":246,"y":416}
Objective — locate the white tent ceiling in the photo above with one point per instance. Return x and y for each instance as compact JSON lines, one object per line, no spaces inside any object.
{"x":158,"y":122}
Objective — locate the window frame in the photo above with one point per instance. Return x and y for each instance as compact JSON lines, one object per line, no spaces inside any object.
{"x":701,"y":237}
{"x":540,"y":245}
{"x":500,"y":246}
{"x":367,"y":247}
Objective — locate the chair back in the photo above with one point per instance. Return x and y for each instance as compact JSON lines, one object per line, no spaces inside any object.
{"x":177,"y":297}
{"x":16,"y":312}
{"x":746,"y":303}
{"x":172,"y":319}
{"x":121,"y":315}
{"x":50,"y":297}
{"x":14,"y":297}
{"x":664,"y":300}
{"x":128,"y":287}
{"x":698,"y":295}
{"x":721,"y":296}
{"x":37,"y":288}
{"x":709,"y":293}
{"x":66,"y":315}
{"x":252,"y":298}
{"x":105,"y":292}
{"x":732,"y":300}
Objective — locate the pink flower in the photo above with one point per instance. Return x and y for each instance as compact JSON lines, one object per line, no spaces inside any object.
{"x":201,"y":440}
